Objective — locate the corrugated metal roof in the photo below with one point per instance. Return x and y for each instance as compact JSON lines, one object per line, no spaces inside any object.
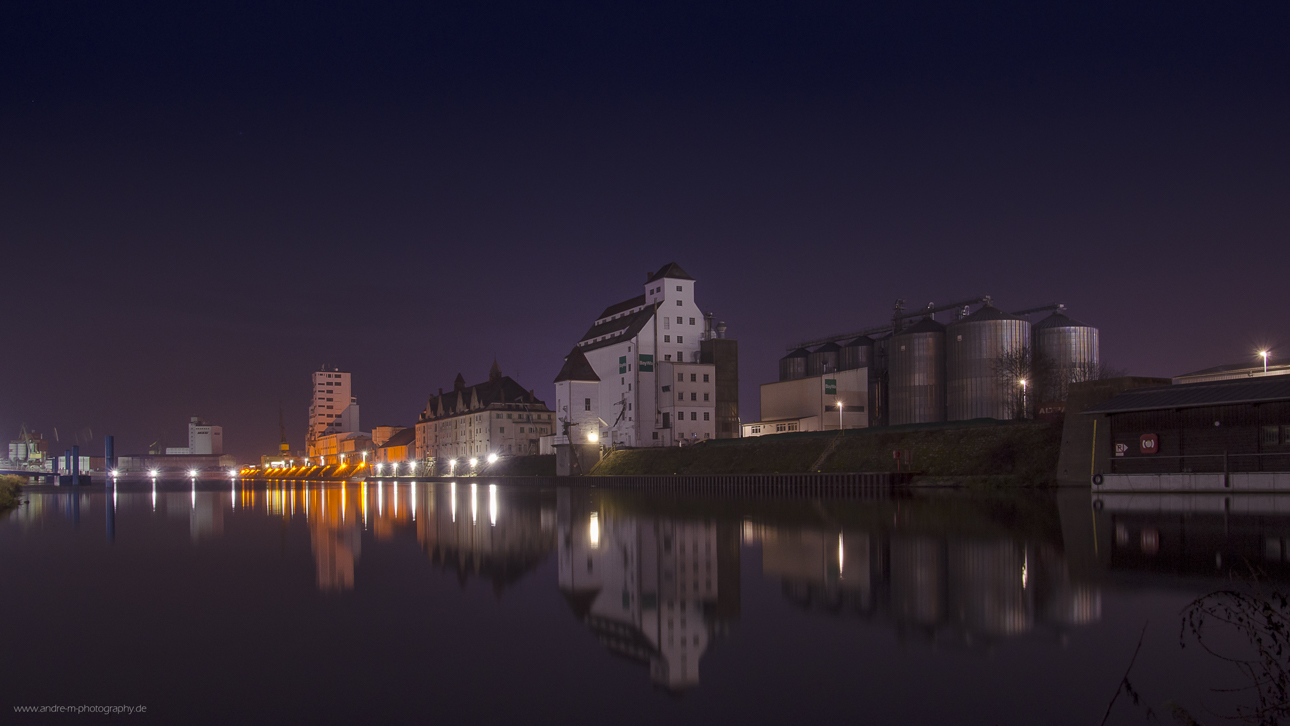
{"x":987,"y":312}
{"x":926,"y":325}
{"x":1192,"y":395}
{"x":1272,"y":362}
{"x":617,"y":331}
{"x":1057,"y":320}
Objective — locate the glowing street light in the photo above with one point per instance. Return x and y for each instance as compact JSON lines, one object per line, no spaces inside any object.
{"x":1023,"y":397}
{"x":1264,"y":353}
{"x":492,"y":458}
{"x":474,"y":462}
{"x":115,"y":473}
{"x":152,"y":473}
{"x":593,"y":437}
{"x":192,"y":473}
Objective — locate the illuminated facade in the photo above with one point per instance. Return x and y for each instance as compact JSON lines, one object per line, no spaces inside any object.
{"x":629,"y":344}
{"x":333,"y":409}
{"x":496,"y":417}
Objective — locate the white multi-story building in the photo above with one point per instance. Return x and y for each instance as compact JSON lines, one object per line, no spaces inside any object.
{"x":333,"y":409}
{"x":636,"y":348}
{"x":203,"y":440}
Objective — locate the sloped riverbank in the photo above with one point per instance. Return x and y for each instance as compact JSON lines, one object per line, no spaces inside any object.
{"x":983,"y":452}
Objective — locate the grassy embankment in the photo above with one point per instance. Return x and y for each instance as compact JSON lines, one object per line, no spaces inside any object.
{"x":10,"y":492}
{"x":985,"y":453}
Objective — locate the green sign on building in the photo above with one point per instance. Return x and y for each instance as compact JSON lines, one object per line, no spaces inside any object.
{"x":830,"y":386}
{"x":645,"y":363}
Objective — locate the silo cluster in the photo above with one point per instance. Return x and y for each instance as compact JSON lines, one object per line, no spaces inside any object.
{"x":929,"y":372}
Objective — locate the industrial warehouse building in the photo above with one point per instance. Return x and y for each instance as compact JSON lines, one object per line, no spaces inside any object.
{"x":928,"y":371}
{"x":651,"y":370}
{"x":1227,"y":435}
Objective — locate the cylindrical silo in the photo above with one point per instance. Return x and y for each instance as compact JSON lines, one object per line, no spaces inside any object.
{"x":878,"y":382}
{"x":856,"y":354}
{"x":975,"y":387}
{"x":823,"y":359}
{"x":793,"y":365}
{"x":1068,"y":348}
{"x":916,"y":375}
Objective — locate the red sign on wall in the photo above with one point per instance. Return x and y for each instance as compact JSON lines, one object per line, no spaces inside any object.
{"x":1148,"y":444}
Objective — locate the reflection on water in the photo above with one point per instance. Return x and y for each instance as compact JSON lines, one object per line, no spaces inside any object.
{"x":661,"y":582}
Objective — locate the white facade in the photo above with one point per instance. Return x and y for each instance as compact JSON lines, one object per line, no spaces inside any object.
{"x":627,"y":345}
{"x":688,"y":401}
{"x":812,"y":404}
{"x":333,"y":409}
{"x":471,"y":422}
{"x":203,"y":439}
{"x":578,"y":402}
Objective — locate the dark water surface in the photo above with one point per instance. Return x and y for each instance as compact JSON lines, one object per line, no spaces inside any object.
{"x":473,"y":603}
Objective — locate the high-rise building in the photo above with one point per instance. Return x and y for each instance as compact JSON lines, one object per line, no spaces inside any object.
{"x":333,"y":409}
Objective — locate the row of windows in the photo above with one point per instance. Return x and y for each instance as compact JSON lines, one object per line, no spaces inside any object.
{"x":694,"y":415}
{"x":680,"y":378}
{"x":668,"y":339}
{"x":680,"y":396}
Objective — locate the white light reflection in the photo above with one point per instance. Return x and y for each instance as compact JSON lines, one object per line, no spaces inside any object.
{"x":342,"y":503}
{"x":594,"y":530}
{"x":113,"y":493}
{"x":364,"y":498}
{"x":1025,"y":562}
{"x":194,"y":494}
{"x":380,"y":499}
{"x":306,"y":495}
{"x":414,"y":501}
{"x":492,"y":504}
{"x":293,"y":501}
{"x":474,"y":503}
{"x":394,"y":489}
{"x":454,"y":501}
{"x":841,"y":557}
{"x":154,"y":495}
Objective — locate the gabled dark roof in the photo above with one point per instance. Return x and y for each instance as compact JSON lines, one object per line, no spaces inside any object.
{"x":863,"y":341}
{"x":1057,"y":320}
{"x":926,"y":325}
{"x":402,"y":438}
{"x":616,"y":308}
{"x":501,"y":390}
{"x":799,"y":353}
{"x":1191,"y":395}
{"x":987,"y":312}
{"x":621,"y":329}
{"x":670,"y":270}
{"x":576,"y":368}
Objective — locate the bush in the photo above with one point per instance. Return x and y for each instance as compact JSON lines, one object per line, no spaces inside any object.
{"x":10,"y":490}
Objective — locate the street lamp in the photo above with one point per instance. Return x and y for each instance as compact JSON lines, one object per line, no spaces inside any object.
{"x":1264,"y":353}
{"x":492,"y":458}
{"x":840,"y":424}
{"x":1023,"y":397}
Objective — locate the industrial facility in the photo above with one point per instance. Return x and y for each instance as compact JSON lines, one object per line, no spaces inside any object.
{"x":915,"y":369}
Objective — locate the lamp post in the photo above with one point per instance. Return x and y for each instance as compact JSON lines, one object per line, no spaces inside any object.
{"x":840,"y":424}
{"x":1264,"y":353}
{"x":1023,"y":398}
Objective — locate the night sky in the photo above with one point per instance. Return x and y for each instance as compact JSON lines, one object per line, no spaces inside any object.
{"x":201,"y":203}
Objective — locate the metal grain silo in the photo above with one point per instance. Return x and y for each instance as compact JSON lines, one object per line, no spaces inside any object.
{"x":793,"y":365}
{"x":823,"y":359}
{"x":856,"y":354}
{"x":878,"y":382}
{"x":972,"y":345}
{"x":916,"y":375}
{"x":1068,"y":345}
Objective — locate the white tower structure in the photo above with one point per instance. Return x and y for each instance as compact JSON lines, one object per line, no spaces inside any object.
{"x":653,"y":391}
